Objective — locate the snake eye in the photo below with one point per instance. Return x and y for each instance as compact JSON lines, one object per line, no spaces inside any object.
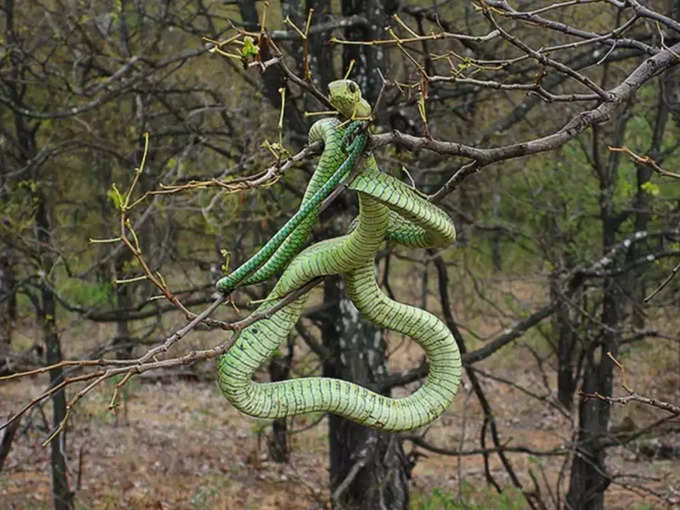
{"x":352,"y":87}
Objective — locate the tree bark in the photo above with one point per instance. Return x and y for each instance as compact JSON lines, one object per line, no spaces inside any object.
{"x":368,"y":59}
{"x":589,"y":477}
{"x":277,"y":442}
{"x":124,"y":301}
{"x":8,"y":301}
{"x":47,"y":317}
{"x":568,"y":350}
{"x":7,"y":440}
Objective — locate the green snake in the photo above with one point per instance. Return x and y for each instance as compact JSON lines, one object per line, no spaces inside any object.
{"x":389,"y":211}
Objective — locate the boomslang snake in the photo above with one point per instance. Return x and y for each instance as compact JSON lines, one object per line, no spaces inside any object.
{"x":389,"y":211}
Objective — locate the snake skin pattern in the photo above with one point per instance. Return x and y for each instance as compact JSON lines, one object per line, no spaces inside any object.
{"x":389,"y":211}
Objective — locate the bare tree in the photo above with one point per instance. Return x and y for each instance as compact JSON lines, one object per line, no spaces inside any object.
{"x":458,"y":90}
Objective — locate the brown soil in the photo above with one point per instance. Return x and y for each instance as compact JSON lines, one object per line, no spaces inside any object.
{"x":177,"y":444}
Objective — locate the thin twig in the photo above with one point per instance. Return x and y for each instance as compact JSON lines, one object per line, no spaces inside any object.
{"x":645,"y":160}
{"x":668,"y":279}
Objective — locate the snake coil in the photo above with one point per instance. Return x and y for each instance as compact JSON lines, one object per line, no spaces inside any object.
{"x":388,"y":211}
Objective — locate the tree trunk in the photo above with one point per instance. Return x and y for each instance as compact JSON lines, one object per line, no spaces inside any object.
{"x":7,"y":440}
{"x":273,"y":79}
{"x":496,"y":236}
{"x":8,"y":302}
{"x":277,"y":443}
{"x":589,"y":477}
{"x":642,"y":207}
{"x":8,"y":308}
{"x":123,"y":299}
{"x":567,"y":346}
{"x":368,"y":60}
{"x":368,"y":468}
{"x":63,"y":497}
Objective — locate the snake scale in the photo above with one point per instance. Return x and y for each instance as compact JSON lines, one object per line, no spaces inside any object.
{"x":389,"y":211}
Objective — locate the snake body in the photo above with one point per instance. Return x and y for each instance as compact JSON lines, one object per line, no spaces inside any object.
{"x":388,"y":211}
{"x":331,"y":169}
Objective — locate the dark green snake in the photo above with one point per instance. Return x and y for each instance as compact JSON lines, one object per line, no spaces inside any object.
{"x":389,"y":211}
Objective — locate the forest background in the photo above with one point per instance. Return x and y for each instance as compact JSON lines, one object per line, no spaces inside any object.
{"x":145,"y":146}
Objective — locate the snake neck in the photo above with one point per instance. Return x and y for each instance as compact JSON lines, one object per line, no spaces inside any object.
{"x":329,"y":132}
{"x":274,"y":257}
{"x":369,"y":234}
{"x":322,"y":130}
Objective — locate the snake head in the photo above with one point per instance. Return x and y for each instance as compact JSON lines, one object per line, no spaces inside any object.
{"x":345,"y":96}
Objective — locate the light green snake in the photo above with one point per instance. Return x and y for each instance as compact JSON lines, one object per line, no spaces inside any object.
{"x":389,"y":211}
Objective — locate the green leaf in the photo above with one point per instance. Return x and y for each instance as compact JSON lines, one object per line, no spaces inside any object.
{"x":249,"y":48}
{"x":651,"y":188}
{"x":115,"y":196}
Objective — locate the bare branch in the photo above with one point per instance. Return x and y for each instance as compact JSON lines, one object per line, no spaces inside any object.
{"x":418,"y":440}
{"x":649,"y":68}
{"x":320,"y":28}
{"x":668,"y":279}
{"x":645,"y":160}
{"x":589,"y":37}
{"x":141,"y":365}
{"x":635,"y":397}
{"x":540,"y":57}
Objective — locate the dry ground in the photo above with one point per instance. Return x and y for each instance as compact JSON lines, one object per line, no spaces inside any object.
{"x":177,"y":444}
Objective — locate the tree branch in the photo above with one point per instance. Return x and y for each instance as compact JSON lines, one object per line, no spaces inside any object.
{"x":649,"y":68}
